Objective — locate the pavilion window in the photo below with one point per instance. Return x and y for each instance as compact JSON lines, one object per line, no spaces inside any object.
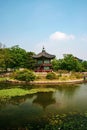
{"x":40,"y":61}
{"x":46,"y":61}
{"x":46,"y":68}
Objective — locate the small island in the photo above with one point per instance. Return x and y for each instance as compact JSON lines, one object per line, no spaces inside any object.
{"x":19,"y":66}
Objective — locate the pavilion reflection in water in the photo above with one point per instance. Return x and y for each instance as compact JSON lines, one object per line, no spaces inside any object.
{"x":45,"y":99}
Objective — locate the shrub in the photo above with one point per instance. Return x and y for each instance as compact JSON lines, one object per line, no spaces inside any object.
{"x":51,"y":75}
{"x":24,"y":75}
{"x":75,"y":75}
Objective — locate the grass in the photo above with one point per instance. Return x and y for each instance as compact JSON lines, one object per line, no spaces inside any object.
{"x":62,"y":77}
{"x":41,"y":77}
{"x":8,"y":93}
{"x":3,"y":79}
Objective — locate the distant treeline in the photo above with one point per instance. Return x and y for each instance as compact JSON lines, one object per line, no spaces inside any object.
{"x":16,"y":57}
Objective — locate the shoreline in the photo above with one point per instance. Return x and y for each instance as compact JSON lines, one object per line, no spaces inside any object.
{"x":58,"y":82}
{"x":53,"y":82}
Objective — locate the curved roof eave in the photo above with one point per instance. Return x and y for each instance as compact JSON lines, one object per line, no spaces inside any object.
{"x":46,"y":55}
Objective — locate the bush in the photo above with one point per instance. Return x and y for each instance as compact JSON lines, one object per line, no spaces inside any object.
{"x":24,"y":75}
{"x":51,"y":75}
{"x":64,"y":77}
{"x":75,"y":75}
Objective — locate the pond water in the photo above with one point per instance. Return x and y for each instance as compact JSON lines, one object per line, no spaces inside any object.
{"x":19,"y":111}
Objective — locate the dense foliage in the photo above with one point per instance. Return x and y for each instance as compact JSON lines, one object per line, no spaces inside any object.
{"x":51,"y":75}
{"x":77,"y":121}
{"x":5,"y":58}
{"x":69,"y":63}
{"x":30,"y":62}
{"x":24,"y":75}
{"x":16,"y":57}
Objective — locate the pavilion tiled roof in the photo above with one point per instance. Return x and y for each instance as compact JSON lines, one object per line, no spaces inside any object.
{"x":44,"y":54}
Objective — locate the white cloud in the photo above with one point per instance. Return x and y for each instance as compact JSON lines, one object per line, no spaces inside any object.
{"x":61,"y":36}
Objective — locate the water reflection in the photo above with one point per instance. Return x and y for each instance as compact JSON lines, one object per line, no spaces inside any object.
{"x":45,"y":99}
{"x":21,"y":110}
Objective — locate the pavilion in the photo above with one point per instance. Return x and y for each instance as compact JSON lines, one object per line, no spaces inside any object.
{"x":43,"y":61}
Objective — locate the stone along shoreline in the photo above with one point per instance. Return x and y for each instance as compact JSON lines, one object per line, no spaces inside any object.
{"x":46,"y":82}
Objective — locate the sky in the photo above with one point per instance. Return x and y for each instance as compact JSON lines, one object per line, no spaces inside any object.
{"x":58,"y":25}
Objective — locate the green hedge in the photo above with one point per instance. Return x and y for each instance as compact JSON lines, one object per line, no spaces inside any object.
{"x":24,"y":75}
{"x":51,"y":75}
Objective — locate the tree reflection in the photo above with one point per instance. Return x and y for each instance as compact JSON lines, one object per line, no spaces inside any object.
{"x":16,"y":100}
{"x":68,"y":90}
{"x":44,"y":99}
{"x":20,"y":99}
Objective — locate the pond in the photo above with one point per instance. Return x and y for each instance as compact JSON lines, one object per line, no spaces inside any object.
{"x":19,"y":111}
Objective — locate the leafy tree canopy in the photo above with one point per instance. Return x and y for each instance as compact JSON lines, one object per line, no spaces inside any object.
{"x":30,"y":62}
{"x":16,"y":57}
{"x":69,"y":62}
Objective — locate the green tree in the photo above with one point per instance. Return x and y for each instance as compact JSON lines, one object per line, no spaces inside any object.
{"x":5,"y":58}
{"x":30,"y":62}
{"x":1,"y":59}
{"x":18,"y":56}
{"x":69,"y":62}
{"x":56,"y":64}
{"x":84,"y":64}
{"x":24,"y":75}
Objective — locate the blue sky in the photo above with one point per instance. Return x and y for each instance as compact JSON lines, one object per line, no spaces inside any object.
{"x":58,"y":25}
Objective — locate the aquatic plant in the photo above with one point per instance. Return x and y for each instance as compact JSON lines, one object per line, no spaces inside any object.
{"x":8,"y":93}
{"x":73,"y":121}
